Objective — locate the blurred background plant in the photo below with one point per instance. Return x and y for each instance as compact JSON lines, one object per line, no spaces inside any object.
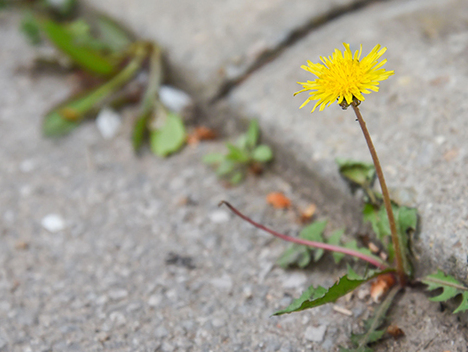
{"x":243,"y":156}
{"x":114,"y":68}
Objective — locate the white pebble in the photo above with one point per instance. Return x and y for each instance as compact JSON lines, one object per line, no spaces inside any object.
{"x":315,"y":334}
{"x":108,"y":123}
{"x":174,"y":99}
{"x":440,"y":140}
{"x":53,"y":223}
{"x":219,"y":216}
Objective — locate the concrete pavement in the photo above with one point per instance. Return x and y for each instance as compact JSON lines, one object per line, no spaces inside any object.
{"x":145,"y":261}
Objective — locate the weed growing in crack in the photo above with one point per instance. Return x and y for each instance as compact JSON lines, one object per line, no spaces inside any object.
{"x":344,"y":78}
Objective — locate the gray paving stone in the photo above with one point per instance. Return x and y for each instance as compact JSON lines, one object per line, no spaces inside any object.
{"x":124,"y":217}
{"x":418,"y":120}
{"x":210,"y":41}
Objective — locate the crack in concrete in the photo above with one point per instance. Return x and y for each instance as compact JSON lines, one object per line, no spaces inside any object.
{"x":290,"y":40}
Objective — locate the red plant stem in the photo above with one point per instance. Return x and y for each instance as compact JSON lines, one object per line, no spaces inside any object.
{"x":385,"y":195}
{"x":324,"y":246}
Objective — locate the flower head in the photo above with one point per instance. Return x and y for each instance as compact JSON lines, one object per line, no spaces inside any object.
{"x":344,"y":78}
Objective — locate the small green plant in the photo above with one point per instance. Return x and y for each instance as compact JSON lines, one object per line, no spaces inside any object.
{"x":245,"y":154}
{"x":98,"y":47}
{"x":344,"y":77}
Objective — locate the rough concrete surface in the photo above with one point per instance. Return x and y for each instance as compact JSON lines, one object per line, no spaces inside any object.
{"x":104,"y":251}
{"x":211,"y":41}
{"x":418,"y":120}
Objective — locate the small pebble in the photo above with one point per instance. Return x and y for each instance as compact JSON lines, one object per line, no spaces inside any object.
{"x":108,"y":123}
{"x":53,"y":223}
{"x":315,"y":334}
{"x":219,"y":216}
{"x":174,"y":99}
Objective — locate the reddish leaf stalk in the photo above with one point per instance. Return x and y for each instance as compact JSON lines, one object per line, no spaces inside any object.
{"x":320,"y":245}
{"x":385,"y":195}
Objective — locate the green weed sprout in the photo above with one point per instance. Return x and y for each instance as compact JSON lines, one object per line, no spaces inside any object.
{"x":244,"y":154}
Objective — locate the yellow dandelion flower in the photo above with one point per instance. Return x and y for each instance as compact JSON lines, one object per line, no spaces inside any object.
{"x":343,"y":77}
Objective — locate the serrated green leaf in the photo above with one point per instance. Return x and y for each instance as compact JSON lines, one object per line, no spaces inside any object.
{"x":262,"y":153}
{"x":352,"y":275}
{"x":301,"y":255}
{"x":353,"y":245}
{"x":451,"y":287}
{"x":335,"y":240}
{"x":294,"y":255}
{"x":213,"y":158}
{"x":252,"y":134}
{"x":170,"y":137}
{"x":236,"y":154}
{"x":463,"y":305}
{"x":87,"y":58}
{"x":314,"y":297}
{"x":313,"y":232}
{"x":358,"y":172}
{"x":378,"y":219}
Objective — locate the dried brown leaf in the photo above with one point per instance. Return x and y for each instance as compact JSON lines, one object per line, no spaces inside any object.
{"x":381,"y":285}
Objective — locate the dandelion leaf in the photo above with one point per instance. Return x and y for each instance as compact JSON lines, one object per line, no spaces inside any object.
{"x":314,"y":297}
{"x":301,"y":255}
{"x":450,"y":288}
{"x":358,"y":172}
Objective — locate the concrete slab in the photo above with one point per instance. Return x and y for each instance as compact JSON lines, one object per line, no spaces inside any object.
{"x":103,"y":251}
{"x":211,"y":41}
{"x":418,"y":120}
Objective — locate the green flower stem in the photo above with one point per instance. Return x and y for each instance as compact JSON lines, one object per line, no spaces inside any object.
{"x":324,"y":246}
{"x":385,"y":195}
